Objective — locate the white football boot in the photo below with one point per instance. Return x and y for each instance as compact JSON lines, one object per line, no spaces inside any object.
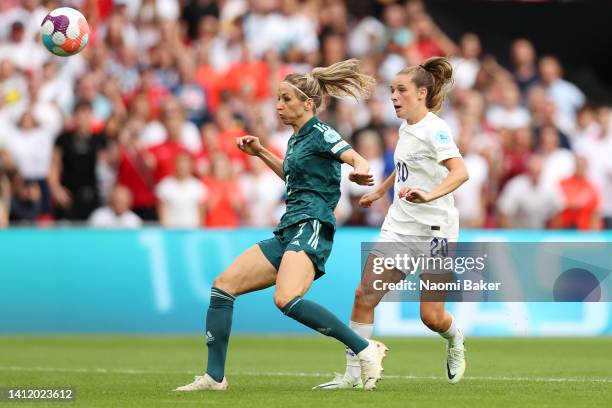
{"x":455,"y":362}
{"x":205,"y":382}
{"x":371,"y":359}
{"x":340,"y":381}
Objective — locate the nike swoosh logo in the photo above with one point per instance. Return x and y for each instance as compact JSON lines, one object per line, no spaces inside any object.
{"x":450,"y":376}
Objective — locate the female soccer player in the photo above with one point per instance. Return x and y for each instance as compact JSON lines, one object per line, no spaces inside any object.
{"x":428,"y":167}
{"x":302,"y":242}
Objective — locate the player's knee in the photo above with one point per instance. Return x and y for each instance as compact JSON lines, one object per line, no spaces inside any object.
{"x":364,"y":298}
{"x":281,"y":299}
{"x":432,"y":319}
{"x":225,"y":285}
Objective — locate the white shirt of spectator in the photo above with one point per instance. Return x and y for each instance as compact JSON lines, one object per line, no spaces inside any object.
{"x":261,"y":32}
{"x":265,"y":192}
{"x":182,"y":200}
{"x":420,"y":150}
{"x":598,"y":152}
{"x":502,"y":118}
{"x":465,"y":72}
{"x":366,"y":37}
{"x":467,"y":197}
{"x":557,"y":165}
{"x":32,"y":149}
{"x":155,"y":133}
{"x":567,"y":98}
{"x":105,"y":217}
{"x":528,"y":205}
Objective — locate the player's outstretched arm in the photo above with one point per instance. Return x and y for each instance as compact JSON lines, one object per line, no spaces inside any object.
{"x":367,"y":199}
{"x":252,"y":146}
{"x":457,"y":175}
{"x":361,"y":168}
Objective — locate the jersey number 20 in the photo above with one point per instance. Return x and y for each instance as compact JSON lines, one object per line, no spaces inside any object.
{"x":402,"y":171}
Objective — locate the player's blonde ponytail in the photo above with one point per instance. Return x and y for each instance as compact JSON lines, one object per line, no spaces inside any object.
{"x":434,"y":74}
{"x":338,"y":80}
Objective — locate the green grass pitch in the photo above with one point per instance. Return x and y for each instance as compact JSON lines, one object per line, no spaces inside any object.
{"x":121,"y":371}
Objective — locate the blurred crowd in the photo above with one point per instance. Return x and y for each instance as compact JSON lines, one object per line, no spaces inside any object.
{"x":140,"y":127}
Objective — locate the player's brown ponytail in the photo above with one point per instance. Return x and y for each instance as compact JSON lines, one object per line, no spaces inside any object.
{"x":434,"y":74}
{"x":340,"y":79}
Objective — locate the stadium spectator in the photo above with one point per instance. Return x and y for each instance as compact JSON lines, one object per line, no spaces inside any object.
{"x":370,"y":147}
{"x":73,"y":180}
{"x":172,"y":115}
{"x":466,"y":65}
{"x":229,"y":128}
{"x":248,"y":77}
{"x":190,"y":94}
{"x":22,"y":49}
{"x":193,"y":11}
{"x":31,"y":146}
{"x":470,"y":198}
{"x":225,"y":205}
{"x":525,"y":202}
{"x":162,"y":157}
{"x":523,"y":56}
{"x":581,"y":201}
{"x":430,"y":40}
{"x":26,"y":201}
{"x":181,"y":196}
{"x":13,"y":91}
{"x":508,"y":114}
{"x":117,"y":213}
{"x":263,"y":189}
{"x":565,"y":95}
{"x":516,"y":153}
{"x":88,"y":90}
{"x":29,"y":13}
{"x":558,"y":162}
{"x":133,"y":172}
{"x":596,"y":145}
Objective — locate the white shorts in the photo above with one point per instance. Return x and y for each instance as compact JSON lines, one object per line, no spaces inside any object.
{"x":391,"y":245}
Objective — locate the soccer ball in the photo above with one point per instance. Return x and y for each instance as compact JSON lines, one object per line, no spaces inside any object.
{"x":64,"y":31}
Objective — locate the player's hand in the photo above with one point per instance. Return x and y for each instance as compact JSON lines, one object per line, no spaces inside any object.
{"x":367,"y":199}
{"x":414,"y":195}
{"x":249,"y":144}
{"x":363,"y":179}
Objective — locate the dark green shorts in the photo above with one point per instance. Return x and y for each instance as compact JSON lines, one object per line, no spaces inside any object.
{"x":311,"y":236}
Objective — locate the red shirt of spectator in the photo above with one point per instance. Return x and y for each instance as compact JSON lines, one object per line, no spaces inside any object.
{"x":248,"y":77}
{"x":582,"y":201}
{"x":225,"y":201}
{"x":212,"y":82}
{"x":133,"y":174}
{"x":164,"y":154}
{"x":228,"y":130}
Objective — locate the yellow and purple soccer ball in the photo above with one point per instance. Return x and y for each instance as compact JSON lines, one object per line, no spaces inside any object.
{"x":64,"y":31}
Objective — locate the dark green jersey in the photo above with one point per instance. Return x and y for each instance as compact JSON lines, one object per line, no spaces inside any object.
{"x":312,"y":174}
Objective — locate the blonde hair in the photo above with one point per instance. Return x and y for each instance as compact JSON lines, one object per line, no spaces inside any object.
{"x":338,"y":80}
{"x":434,"y":74}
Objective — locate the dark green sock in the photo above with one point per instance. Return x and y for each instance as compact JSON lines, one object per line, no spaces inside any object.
{"x":322,"y":320}
{"x":218,"y":328}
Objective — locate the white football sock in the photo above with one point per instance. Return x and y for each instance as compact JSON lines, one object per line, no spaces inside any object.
{"x":353,"y":368}
{"x":453,"y":334}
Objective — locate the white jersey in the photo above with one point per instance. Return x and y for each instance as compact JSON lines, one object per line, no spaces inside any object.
{"x":420,"y":150}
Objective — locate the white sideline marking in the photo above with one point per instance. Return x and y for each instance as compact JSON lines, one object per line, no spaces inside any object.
{"x":291,"y":374}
